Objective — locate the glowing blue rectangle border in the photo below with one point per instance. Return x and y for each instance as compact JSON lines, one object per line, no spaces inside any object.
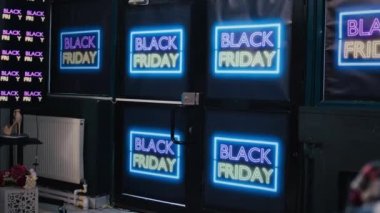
{"x":340,"y":43}
{"x":160,"y":71}
{"x":96,"y":67}
{"x":217,"y":139}
{"x":253,"y":26}
{"x":157,"y":134}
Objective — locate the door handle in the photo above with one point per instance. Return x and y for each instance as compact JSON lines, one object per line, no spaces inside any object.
{"x":173,"y":127}
{"x":188,"y":99}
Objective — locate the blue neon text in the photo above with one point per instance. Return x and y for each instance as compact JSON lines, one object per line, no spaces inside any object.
{"x":246,"y":163}
{"x":156,"y":51}
{"x":248,"y":49}
{"x":153,"y":154}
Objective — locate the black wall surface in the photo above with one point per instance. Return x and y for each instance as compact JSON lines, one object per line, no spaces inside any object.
{"x":267,"y":126}
{"x":340,"y":133}
{"x":258,"y":87}
{"x":160,"y":16}
{"x":339,"y":142}
{"x":74,"y":16}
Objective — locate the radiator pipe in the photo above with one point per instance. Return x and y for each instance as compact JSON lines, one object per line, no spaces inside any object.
{"x":74,"y":199}
{"x":56,"y":192}
{"x":56,"y":197}
{"x":81,"y":201}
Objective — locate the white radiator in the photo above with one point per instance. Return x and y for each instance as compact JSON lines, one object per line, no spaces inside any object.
{"x":60,"y":156}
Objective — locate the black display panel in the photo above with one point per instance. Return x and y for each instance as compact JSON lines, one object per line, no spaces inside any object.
{"x":153,"y":167}
{"x":352,"y":56}
{"x":157,"y":60}
{"x":82,"y":48}
{"x":245,"y":161}
{"x":24,"y":51}
{"x":250,"y":46}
